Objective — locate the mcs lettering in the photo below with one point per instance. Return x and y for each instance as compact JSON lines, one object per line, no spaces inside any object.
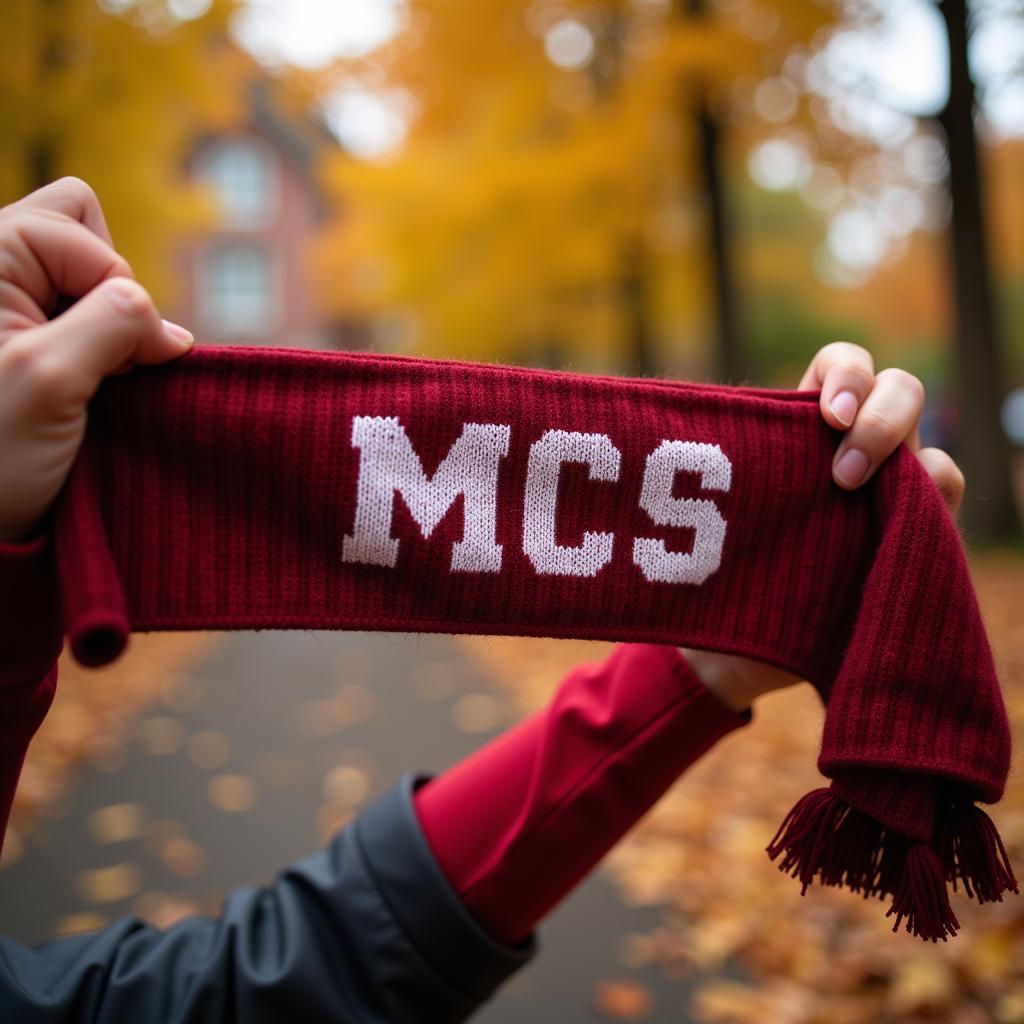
{"x":389,"y":465}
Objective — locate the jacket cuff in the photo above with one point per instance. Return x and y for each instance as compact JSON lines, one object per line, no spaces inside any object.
{"x":423,"y":902}
{"x":30,"y":620}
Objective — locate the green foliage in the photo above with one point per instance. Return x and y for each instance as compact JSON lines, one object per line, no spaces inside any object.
{"x":782,"y":333}
{"x":1010,"y":305}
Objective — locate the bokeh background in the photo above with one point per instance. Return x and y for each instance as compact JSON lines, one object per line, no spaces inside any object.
{"x":704,"y":189}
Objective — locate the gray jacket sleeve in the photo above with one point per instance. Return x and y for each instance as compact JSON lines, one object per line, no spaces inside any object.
{"x":368,"y":930}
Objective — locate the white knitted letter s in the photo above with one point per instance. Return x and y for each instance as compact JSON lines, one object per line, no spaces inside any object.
{"x":656,"y":562}
{"x":544,"y":468}
{"x":388,"y":463}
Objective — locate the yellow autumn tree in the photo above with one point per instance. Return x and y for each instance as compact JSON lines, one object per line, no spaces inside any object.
{"x":547,"y":205}
{"x":113,"y":92}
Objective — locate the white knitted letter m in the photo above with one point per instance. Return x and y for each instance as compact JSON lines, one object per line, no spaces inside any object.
{"x":388,"y":463}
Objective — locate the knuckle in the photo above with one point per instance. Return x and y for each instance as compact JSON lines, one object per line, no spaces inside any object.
{"x":944,"y":472}
{"x":861,"y":377}
{"x":843,"y":365}
{"x":847,"y":352}
{"x":906,"y":382}
{"x":10,"y":263}
{"x":128,"y":298}
{"x":39,"y":379}
{"x":838,"y":347}
{"x":957,"y":483}
{"x":880,"y":426}
{"x":21,"y":225}
{"x":17,"y":220}
{"x":78,"y":188}
{"x":879,"y":430}
{"x":17,"y":356}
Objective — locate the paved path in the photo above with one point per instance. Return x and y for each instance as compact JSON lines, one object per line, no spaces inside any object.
{"x":270,"y":740}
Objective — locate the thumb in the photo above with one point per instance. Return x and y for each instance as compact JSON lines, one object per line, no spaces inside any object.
{"x":114,"y":324}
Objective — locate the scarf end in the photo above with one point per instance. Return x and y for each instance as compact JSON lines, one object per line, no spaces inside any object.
{"x":824,"y":837}
{"x":92,"y":598}
{"x":972,"y":852}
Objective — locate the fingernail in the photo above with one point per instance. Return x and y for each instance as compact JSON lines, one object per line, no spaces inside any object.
{"x":851,"y":468}
{"x":178,"y":333}
{"x":844,"y":407}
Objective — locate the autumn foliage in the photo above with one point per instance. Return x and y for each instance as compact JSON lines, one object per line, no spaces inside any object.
{"x":738,"y":927}
{"x":116,"y":99}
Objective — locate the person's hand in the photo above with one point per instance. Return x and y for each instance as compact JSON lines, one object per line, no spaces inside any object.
{"x":55,"y":247}
{"x":877,"y":413}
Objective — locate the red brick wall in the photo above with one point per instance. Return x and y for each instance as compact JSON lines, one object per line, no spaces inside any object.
{"x":284,"y":234}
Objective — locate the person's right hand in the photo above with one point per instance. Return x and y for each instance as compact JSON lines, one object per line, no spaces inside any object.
{"x":54,"y":246}
{"x":877,"y":412}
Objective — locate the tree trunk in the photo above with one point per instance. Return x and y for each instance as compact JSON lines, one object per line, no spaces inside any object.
{"x":990,"y":511}
{"x":729,"y":363}
{"x":42,"y":153}
{"x":723,"y":279}
{"x":636,"y":311}
{"x":632,"y":281}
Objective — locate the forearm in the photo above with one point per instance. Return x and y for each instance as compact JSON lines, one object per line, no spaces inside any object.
{"x":29,"y":645}
{"x":521,"y":822}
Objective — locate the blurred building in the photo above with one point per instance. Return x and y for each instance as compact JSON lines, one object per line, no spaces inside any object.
{"x":246,"y":279}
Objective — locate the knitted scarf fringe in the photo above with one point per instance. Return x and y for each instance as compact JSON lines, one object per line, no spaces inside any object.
{"x":824,"y":837}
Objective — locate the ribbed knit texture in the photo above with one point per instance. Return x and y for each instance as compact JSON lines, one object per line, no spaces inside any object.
{"x":218,"y":492}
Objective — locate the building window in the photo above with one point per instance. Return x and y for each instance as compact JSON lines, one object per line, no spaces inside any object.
{"x":241,"y":174}
{"x":240,"y":290}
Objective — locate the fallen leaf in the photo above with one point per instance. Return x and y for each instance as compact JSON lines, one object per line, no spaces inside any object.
{"x":117,"y":823}
{"x":208,"y":750}
{"x":110,"y":884}
{"x":78,"y":924}
{"x":476,"y":713}
{"x":232,"y":793}
{"x":623,"y":1000}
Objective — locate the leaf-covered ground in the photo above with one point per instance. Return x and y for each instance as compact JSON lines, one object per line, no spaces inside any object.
{"x":735,"y":923}
{"x":92,"y":713}
{"x":730,"y":921}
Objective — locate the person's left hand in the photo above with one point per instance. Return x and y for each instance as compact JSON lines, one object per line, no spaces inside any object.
{"x":54,"y":245}
{"x":878,"y":412}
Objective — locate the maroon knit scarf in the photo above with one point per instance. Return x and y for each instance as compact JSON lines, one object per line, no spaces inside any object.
{"x":244,"y":488}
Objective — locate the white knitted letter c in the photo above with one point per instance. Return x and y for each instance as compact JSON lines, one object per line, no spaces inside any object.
{"x":544,"y":468}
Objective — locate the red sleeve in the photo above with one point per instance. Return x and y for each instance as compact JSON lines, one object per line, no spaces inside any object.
{"x":30,"y":640}
{"x":518,"y":824}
